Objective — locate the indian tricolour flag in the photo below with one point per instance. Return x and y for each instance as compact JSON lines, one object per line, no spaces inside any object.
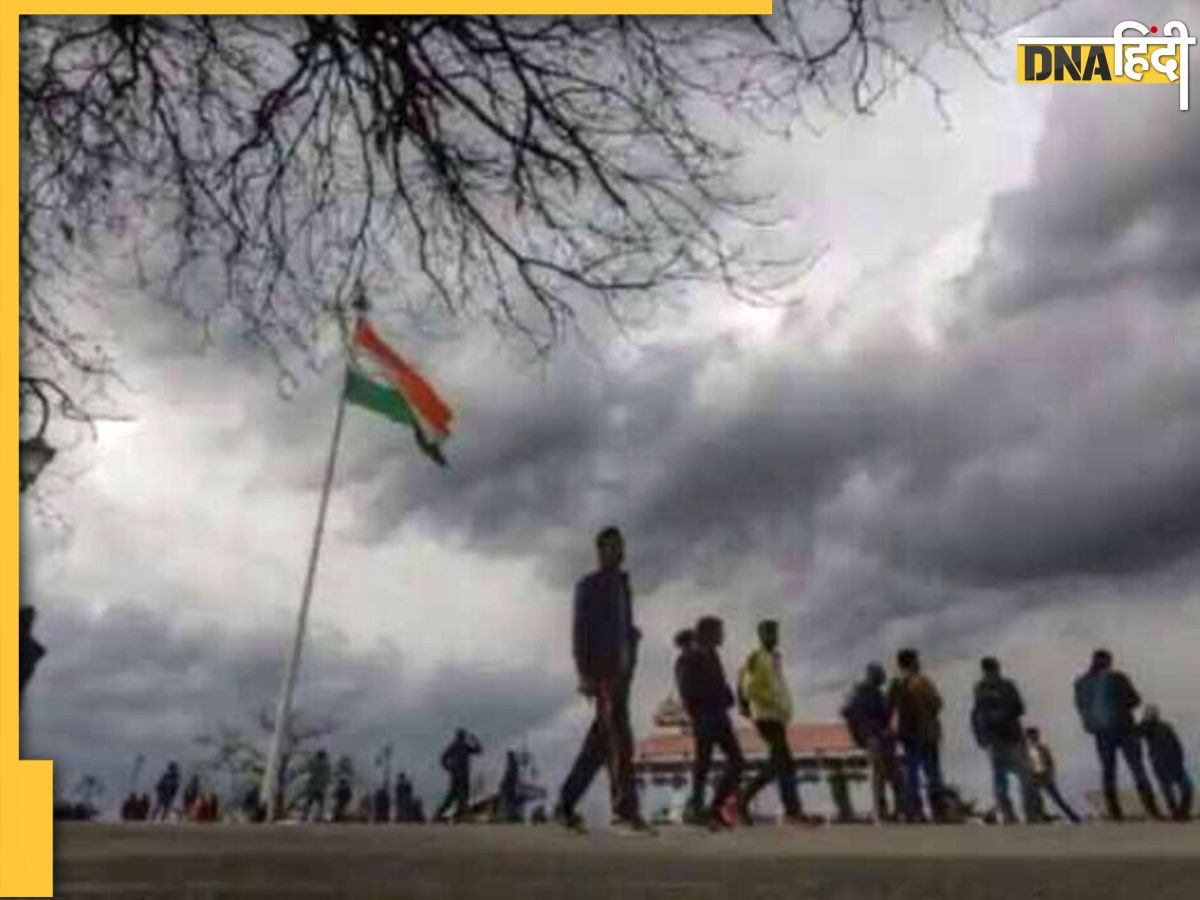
{"x":379,"y":380}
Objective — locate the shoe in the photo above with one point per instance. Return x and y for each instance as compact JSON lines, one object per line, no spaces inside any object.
{"x":635,"y":827}
{"x":570,"y":820}
{"x":744,"y":815}
{"x":800,"y":821}
{"x":717,"y":821}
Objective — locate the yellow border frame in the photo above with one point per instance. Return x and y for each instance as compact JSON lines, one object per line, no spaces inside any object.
{"x":27,"y":786}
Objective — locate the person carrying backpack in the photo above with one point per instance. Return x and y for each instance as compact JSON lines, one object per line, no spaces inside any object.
{"x":866,"y":716}
{"x":916,"y":706}
{"x":996,"y":723}
{"x":707,"y":697}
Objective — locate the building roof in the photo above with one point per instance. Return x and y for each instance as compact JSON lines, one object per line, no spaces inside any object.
{"x":804,"y":738}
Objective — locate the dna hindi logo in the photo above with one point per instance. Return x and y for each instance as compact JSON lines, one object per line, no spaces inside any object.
{"x":1149,"y":56}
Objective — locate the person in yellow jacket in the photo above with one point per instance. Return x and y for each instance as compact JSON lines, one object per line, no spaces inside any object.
{"x":763,"y":697}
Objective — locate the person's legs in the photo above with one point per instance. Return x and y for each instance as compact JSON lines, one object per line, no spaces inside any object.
{"x":1050,"y":786}
{"x":447,"y":802}
{"x":462,"y":793}
{"x":1186,"y":792}
{"x":700,"y":765}
{"x":724,"y":738}
{"x":1031,"y":797}
{"x":1131,"y":748}
{"x":783,"y":766}
{"x":766,"y":772}
{"x":591,"y":757}
{"x":1106,"y":749}
{"x":875,"y":754}
{"x":912,"y":780}
{"x":931,"y":762}
{"x":620,"y":731}
{"x":1000,"y":771}
{"x":892,"y":768}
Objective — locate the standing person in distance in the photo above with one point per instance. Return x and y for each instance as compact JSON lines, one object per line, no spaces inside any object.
{"x":996,"y":723}
{"x":1105,"y":699}
{"x":915,"y":706}
{"x":866,"y":717}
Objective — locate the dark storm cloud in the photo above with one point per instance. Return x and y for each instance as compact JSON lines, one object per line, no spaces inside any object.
{"x":1112,"y":207}
{"x":1059,"y":437}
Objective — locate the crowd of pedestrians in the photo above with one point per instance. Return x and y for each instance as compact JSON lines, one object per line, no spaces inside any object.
{"x":898,"y":723}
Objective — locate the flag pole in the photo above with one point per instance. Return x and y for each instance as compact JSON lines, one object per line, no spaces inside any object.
{"x":270,"y":785}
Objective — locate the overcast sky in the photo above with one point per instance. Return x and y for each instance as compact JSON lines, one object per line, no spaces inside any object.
{"x":979,"y":433}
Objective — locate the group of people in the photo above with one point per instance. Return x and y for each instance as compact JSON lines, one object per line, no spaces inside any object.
{"x":199,"y":803}
{"x":397,"y":804}
{"x":897,"y":723}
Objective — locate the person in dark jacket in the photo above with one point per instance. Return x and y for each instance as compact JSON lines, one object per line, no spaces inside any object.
{"x":165,"y":791}
{"x":605,"y":642}
{"x":685,"y":643}
{"x":996,"y":723}
{"x":707,"y":697}
{"x":29,"y":650}
{"x":915,"y":706}
{"x":866,"y":717}
{"x":1166,"y":759}
{"x":318,"y":775}
{"x":403,"y":799}
{"x":456,"y":760}
{"x":509,"y":796}
{"x":1105,"y":700}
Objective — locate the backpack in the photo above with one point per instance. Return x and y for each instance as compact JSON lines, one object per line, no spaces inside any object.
{"x":995,"y":715}
{"x":1100,"y":705}
{"x":852,"y":714}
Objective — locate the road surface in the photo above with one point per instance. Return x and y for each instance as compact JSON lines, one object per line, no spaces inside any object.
{"x":1142,"y":861}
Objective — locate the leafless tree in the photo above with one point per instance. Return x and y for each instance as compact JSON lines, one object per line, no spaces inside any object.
{"x":237,"y":753}
{"x":521,"y":170}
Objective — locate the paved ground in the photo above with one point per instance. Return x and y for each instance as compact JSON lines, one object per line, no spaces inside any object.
{"x":1145,"y":862}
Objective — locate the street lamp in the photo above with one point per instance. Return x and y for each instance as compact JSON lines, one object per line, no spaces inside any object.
{"x":35,"y":456}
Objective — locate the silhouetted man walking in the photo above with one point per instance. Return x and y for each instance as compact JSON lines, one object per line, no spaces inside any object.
{"x":316,"y":785}
{"x":456,"y":760}
{"x":1105,"y":700}
{"x":708,"y":699}
{"x":165,"y":791}
{"x":605,"y":642}
{"x":767,"y":702}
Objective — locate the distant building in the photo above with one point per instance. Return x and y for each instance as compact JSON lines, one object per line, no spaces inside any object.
{"x":824,"y":751}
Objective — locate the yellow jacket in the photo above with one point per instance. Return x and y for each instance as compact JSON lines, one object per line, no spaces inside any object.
{"x":762,"y":685}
